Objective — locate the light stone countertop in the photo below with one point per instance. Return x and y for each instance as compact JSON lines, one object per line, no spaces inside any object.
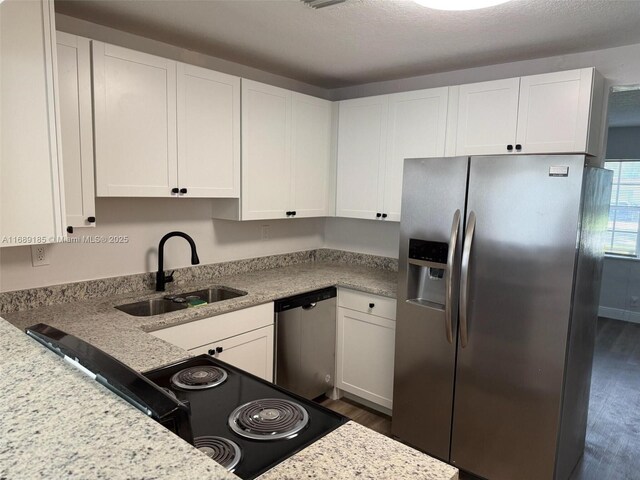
{"x":93,"y":447}
{"x":56,"y":422}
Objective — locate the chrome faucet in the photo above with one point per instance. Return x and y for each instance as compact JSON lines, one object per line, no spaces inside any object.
{"x":161,"y":278}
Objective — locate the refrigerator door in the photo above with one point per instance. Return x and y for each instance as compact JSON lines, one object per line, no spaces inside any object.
{"x":433,"y":202}
{"x":514,"y":318}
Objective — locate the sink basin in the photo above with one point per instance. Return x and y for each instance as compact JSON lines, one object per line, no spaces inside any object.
{"x":215,"y":294}
{"x":149,"y":308}
{"x":158,"y":306}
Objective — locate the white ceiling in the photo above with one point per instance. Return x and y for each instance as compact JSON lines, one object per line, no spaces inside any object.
{"x":362,"y":41}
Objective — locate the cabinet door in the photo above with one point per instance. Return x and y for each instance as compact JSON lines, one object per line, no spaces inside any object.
{"x":487,"y":117}
{"x":417,"y":128}
{"x":31,"y":190}
{"x":362,"y":138}
{"x":311,"y":155}
{"x":251,"y":351}
{"x":365,"y":356}
{"x":135,"y":123}
{"x":208,"y":132}
{"x":76,"y":128}
{"x":553,"y":116}
{"x":266,"y":151}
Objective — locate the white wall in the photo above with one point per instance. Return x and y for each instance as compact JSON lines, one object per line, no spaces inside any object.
{"x":145,"y":221}
{"x":620,"y":65}
{"x":364,"y":236}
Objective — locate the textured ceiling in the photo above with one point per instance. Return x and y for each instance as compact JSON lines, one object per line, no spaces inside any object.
{"x":624,"y":109}
{"x":362,"y":41}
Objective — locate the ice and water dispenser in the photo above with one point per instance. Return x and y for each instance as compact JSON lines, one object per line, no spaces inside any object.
{"x":427,"y":270}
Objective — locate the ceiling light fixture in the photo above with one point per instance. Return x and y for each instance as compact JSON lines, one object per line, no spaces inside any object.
{"x":459,"y":4}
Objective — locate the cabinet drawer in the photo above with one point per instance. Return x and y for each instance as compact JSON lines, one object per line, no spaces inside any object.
{"x":382,"y":306}
{"x":251,"y":351}
{"x":201,"y":332}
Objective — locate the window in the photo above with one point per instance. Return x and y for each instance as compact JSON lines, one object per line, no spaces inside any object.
{"x":624,"y":215}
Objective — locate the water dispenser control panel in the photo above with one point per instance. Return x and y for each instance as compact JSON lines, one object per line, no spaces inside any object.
{"x":427,"y":251}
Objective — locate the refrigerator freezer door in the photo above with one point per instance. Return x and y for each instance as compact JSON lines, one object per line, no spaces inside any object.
{"x":521,"y":267}
{"x":433,"y":191}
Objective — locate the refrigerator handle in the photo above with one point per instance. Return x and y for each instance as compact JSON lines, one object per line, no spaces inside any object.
{"x":451,"y":255}
{"x":464,"y":279}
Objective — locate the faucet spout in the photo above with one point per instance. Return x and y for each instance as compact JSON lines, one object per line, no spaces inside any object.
{"x":161,"y":279}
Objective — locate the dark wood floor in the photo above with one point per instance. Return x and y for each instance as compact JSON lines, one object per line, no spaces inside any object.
{"x":364,"y":416}
{"x":612,"y":449}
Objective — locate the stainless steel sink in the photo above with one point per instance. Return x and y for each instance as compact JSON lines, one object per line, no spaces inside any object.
{"x":148,"y":308}
{"x":215,"y":294}
{"x":180,"y":301}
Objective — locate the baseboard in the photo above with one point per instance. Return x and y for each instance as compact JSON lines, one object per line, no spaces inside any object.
{"x":619,"y":314}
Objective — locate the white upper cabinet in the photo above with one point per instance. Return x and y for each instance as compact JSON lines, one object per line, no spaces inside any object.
{"x":163,"y":128}
{"x":31,"y":189}
{"x":487,"y":116}
{"x":549,"y":113}
{"x":555,"y":111}
{"x":310,"y":156}
{"x":76,"y":128}
{"x":208,"y":132}
{"x":417,"y":129}
{"x":135,"y":123}
{"x":286,"y":155}
{"x":266,"y":151}
{"x":362,"y":141}
{"x":376,"y":135}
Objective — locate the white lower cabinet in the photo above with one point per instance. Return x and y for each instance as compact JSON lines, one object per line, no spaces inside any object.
{"x":243,"y":338}
{"x":366,"y":346}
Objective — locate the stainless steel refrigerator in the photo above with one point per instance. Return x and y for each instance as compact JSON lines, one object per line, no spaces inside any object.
{"x":499,"y":276}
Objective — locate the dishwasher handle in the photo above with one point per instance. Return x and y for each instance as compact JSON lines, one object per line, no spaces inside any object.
{"x":309,"y":306}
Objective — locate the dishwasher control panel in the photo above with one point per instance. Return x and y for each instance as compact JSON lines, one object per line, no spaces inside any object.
{"x":304,"y":299}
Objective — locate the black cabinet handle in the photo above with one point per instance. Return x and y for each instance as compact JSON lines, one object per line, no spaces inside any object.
{"x":371,"y":305}
{"x":518,"y":147}
{"x":378,"y":215}
{"x":384,"y":215}
{"x":91,"y":219}
{"x":69,"y":229}
{"x":509,"y":147}
{"x":211,"y":352}
{"x":293,"y":213}
{"x":183,"y":190}
{"x":175,"y":190}
{"x":288,"y":213}
{"x":219,"y":349}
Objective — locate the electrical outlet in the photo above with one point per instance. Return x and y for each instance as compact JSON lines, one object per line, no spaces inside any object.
{"x":39,"y":255}
{"x":265,"y":232}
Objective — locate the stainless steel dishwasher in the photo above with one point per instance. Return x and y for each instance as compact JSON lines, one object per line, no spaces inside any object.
{"x":306,"y":342}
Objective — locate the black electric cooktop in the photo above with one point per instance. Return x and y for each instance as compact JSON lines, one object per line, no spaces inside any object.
{"x":246,"y":424}
{"x":273,"y":426}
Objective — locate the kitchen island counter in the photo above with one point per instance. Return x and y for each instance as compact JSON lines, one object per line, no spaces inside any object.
{"x":62,"y":424}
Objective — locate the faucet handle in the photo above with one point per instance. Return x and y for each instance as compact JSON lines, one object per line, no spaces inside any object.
{"x":169,"y":277}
